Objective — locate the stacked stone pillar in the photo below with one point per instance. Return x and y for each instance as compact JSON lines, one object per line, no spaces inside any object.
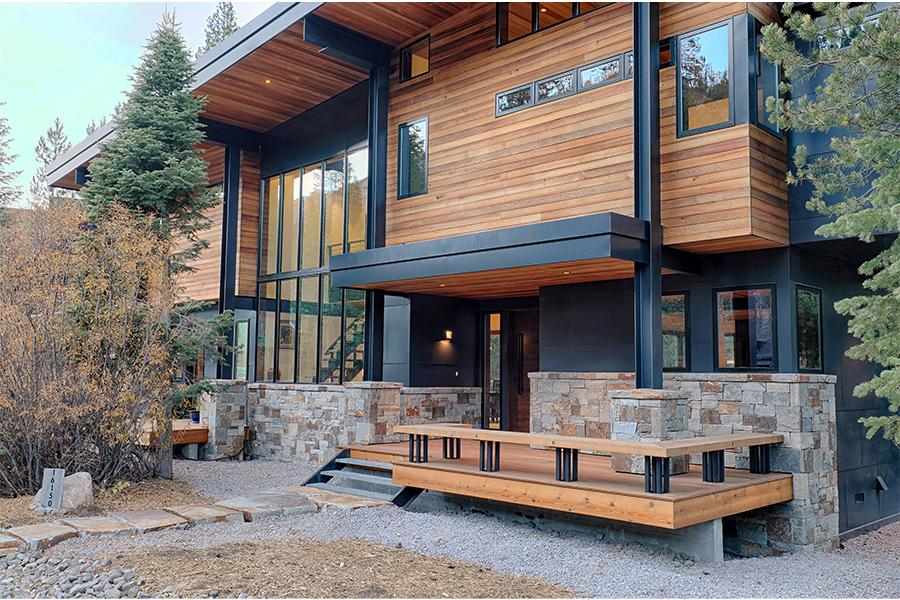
{"x":646,"y":415}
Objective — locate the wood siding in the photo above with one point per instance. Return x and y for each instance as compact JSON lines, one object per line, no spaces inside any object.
{"x":248,"y":228}
{"x":203,"y":282}
{"x":720,"y":190}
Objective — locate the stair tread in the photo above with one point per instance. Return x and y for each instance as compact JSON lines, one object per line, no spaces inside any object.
{"x":375,"y":465}
{"x":361,"y":477}
{"x":352,"y":491}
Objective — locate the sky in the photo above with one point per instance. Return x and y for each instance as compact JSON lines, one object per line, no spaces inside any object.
{"x":72,"y":61}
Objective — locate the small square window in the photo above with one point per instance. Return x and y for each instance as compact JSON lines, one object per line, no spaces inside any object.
{"x":598,"y":74}
{"x":554,"y":87}
{"x":628,"y":59}
{"x":412,"y":170}
{"x":514,"y":99}
{"x":415,"y":59}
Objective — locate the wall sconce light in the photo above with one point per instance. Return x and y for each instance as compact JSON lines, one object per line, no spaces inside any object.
{"x":448,"y":335}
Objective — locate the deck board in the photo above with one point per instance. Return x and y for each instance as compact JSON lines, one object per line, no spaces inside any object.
{"x":527,"y":477}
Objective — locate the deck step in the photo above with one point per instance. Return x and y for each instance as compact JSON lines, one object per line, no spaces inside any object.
{"x":331,"y":487}
{"x":356,"y":476}
{"x":374,"y":465}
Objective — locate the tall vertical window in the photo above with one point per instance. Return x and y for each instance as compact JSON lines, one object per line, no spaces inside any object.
{"x":307,"y":331}
{"x":412,"y":170}
{"x":268,"y":246}
{"x":415,"y":59}
{"x":809,"y":329}
{"x":704,"y":79}
{"x":767,"y":79}
{"x":239,"y":358}
{"x":675,"y":331}
{"x":745,"y":328}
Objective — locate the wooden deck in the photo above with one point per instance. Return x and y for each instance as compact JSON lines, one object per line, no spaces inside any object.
{"x":527,"y":477}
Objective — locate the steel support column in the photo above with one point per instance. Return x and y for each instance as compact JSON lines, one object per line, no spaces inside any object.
{"x":647,"y":276}
{"x":375,"y":225}
{"x":228,"y":258}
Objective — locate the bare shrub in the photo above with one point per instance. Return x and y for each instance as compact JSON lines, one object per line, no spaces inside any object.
{"x":84,"y":316}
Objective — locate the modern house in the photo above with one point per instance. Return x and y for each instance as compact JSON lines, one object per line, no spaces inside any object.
{"x":510,"y":215}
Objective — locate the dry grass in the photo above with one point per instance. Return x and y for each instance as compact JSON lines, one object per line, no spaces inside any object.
{"x":318,"y":569}
{"x":144,"y":495}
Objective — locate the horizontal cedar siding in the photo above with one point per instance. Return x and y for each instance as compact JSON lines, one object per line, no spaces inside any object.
{"x":248,"y":231}
{"x":203,"y":282}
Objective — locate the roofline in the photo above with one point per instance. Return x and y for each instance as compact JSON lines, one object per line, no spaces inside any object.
{"x":223,"y":55}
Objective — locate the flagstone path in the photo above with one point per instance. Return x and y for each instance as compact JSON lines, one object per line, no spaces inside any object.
{"x":276,"y":502}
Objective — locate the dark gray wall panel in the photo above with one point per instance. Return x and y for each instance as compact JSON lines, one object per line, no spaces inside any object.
{"x":434,"y":361}
{"x":396,"y":339}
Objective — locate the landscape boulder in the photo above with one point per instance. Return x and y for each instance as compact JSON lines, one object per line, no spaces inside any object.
{"x":78,"y":492}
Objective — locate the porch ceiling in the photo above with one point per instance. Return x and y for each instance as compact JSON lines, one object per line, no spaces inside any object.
{"x":393,"y":23}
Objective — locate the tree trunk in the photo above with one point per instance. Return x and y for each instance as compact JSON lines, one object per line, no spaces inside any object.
{"x":165,"y":450}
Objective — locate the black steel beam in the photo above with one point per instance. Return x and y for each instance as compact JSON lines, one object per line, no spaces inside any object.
{"x":647,"y":276}
{"x":232,"y":135}
{"x":228,"y":257}
{"x":345,"y":44}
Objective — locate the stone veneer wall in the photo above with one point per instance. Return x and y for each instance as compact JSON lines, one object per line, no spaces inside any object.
{"x":799,"y":406}
{"x":308,"y":422}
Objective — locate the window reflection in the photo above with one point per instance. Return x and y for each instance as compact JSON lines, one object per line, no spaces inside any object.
{"x":330,"y":333}
{"x":287,"y":329}
{"x":809,"y":329}
{"x":290,"y":221}
{"x":674,"y":331}
{"x":334,"y":207}
{"x":745,"y":323}
{"x":268,"y":262}
{"x":704,"y":71}
{"x":312,"y":216}
{"x":265,"y":332}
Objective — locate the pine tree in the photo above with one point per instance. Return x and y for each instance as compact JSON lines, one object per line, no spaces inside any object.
{"x":154,"y":167}
{"x":95,"y":125}
{"x":219,"y":26}
{"x":858,"y":182}
{"x":9,"y":191}
{"x":49,"y":147}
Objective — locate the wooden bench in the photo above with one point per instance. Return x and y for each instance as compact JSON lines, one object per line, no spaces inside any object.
{"x":656,"y":454}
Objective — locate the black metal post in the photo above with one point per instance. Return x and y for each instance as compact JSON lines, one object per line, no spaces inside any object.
{"x":412,"y":453}
{"x":714,"y":466}
{"x":656,"y":474}
{"x":760,"y":461}
{"x":228,"y":260}
{"x":647,"y":275}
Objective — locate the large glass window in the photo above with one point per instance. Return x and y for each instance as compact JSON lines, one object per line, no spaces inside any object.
{"x":334,"y":207}
{"x":518,"y":19}
{"x":268,"y":246}
{"x":413,"y":159}
{"x":330,"y":360}
{"x":308,"y":329}
{"x":809,"y":329}
{"x":354,"y":334}
{"x":767,"y":79}
{"x":704,"y":79}
{"x":415,"y":59}
{"x":745,"y":328}
{"x":675,"y":331}
{"x":265,"y":331}
{"x":357,"y":199}
{"x":290,"y":222}
{"x":241,"y":355}
{"x":312,"y":217}
{"x":287,"y":329}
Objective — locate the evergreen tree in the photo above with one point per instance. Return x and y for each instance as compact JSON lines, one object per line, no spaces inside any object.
{"x":154,"y":167}
{"x":219,"y":26}
{"x":9,"y":191}
{"x":858,"y":182}
{"x":95,"y":125}
{"x":49,"y":147}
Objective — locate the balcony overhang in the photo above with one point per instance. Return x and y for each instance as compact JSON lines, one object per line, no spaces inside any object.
{"x":515,"y":261}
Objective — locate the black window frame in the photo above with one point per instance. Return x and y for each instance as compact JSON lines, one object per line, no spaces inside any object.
{"x":406,"y":64}
{"x":680,"y":130}
{"x":400,"y":156}
{"x":819,"y":294}
{"x":687,"y":331}
{"x":498,"y":112}
{"x":773,"y":288}
{"x":535,"y":20}
{"x":758,"y":113}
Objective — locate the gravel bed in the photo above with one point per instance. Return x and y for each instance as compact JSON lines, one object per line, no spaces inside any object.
{"x":230,"y":478}
{"x":869,"y":566}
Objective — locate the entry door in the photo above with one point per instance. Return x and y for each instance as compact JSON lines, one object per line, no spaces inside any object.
{"x":522,"y":358}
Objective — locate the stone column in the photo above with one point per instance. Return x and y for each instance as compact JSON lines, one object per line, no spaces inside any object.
{"x":648,"y":415}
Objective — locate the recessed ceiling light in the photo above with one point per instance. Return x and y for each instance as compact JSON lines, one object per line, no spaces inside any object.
{"x":567,"y":272}
{"x":443,"y":285}
{"x":543,"y":9}
{"x":268,"y":81}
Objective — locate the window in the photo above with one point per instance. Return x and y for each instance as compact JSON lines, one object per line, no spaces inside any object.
{"x":334,"y":207}
{"x":415,"y":59}
{"x":675,"y":331}
{"x":555,"y":87}
{"x":357,"y":199}
{"x":268,"y":229}
{"x":809,"y":329}
{"x":767,"y":80}
{"x":515,"y":99}
{"x":290,"y":222}
{"x":412,"y":171}
{"x":598,"y":74}
{"x":745,"y":328}
{"x":518,"y":19}
{"x":704,"y":82}
{"x":308,"y":329}
{"x":267,"y":304}
{"x":287,"y":329}
{"x":239,"y":358}
{"x":310,"y":256}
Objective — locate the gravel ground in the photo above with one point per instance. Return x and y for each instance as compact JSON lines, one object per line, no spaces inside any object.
{"x":231,"y":478}
{"x":869,"y":566}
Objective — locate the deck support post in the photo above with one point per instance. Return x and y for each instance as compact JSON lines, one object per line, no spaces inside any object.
{"x":451,"y":448}
{"x":418,"y":448}
{"x":566,"y":464}
{"x":656,"y":474}
{"x":714,"y":466}
{"x":488,"y":456}
{"x":760,"y":461}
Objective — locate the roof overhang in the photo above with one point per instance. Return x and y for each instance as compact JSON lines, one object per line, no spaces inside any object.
{"x":509,"y":262}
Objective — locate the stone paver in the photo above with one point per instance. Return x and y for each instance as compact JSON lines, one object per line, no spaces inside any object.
{"x":8,"y":544}
{"x":200,"y":514}
{"x":99,"y":526}
{"x":38,"y":536}
{"x":253,"y":510}
{"x":289,"y":502}
{"x":150,"y":520}
{"x":324,"y":498}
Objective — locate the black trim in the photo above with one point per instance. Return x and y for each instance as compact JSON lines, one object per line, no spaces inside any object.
{"x":773,"y":288}
{"x":681,"y":131}
{"x":346,"y":44}
{"x":406,"y":63}
{"x":501,"y":25}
